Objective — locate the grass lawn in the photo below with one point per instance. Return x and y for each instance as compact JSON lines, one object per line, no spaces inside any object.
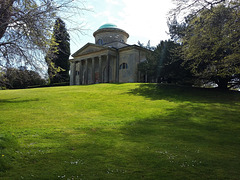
{"x":119,"y":131}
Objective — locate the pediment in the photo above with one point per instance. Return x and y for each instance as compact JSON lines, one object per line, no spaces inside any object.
{"x":88,"y":48}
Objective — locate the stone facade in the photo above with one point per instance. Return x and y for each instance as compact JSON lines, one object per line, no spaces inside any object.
{"x":109,"y":60}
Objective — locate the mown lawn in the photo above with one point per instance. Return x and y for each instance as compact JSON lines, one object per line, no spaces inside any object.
{"x":119,"y":131}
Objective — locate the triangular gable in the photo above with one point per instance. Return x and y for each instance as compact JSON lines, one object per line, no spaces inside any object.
{"x":88,"y":48}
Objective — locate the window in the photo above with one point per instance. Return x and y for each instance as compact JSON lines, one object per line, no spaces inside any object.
{"x":123,"y":66}
{"x":100,"y":41}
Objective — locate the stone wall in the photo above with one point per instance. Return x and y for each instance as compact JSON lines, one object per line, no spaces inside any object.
{"x":132,"y":58}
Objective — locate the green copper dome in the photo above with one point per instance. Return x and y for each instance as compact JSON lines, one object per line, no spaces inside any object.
{"x":108,"y":26}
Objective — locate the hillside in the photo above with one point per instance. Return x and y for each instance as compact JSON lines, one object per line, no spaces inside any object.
{"x":119,"y":131}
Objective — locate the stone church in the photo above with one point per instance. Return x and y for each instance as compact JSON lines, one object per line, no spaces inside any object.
{"x":109,"y":60}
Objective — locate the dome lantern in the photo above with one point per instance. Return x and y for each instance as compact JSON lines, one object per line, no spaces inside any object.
{"x":109,"y":34}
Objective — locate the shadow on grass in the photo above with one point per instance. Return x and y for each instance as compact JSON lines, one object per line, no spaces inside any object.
{"x":181,"y":144}
{"x":179,"y":93}
{"x":189,"y":146}
{"x":187,"y":142}
{"x":15,"y":100}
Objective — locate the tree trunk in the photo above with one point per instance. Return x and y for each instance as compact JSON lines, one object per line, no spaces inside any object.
{"x":5,"y":15}
{"x":223,"y":83}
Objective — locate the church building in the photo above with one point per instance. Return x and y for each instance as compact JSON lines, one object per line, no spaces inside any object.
{"x":109,"y":60}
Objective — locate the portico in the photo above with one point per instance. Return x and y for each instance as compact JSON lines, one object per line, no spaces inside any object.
{"x":95,"y":67}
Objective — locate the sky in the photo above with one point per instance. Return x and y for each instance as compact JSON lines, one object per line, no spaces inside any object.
{"x":143,"y":20}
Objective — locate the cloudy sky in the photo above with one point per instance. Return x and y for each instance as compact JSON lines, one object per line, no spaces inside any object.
{"x":143,"y":19}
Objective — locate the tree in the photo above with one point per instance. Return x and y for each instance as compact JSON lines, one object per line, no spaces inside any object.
{"x":186,"y":10}
{"x":22,"y":78}
{"x":177,"y":29}
{"x":148,"y":46}
{"x":164,"y":64}
{"x":211,"y":45}
{"x":58,"y":54}
{"x":2,"y":78}
{"x":149,"y":67}
{"x":170,"y":68}
{"x":26,"y":26}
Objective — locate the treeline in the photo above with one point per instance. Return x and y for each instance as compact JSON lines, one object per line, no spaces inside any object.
{"x":20,"y":78}
{"x":204,"y":49}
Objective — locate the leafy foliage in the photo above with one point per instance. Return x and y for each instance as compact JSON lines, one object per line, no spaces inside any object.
{"x":148,"y":46}
{"x":211,"y":45}
{"x":171,"y":67}
{"x":165,"y":64}
{"x":22,"y":78}
{"x":177,"y":30}
{"x":58,"y":54}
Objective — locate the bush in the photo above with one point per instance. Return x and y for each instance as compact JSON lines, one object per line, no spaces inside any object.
{"x":20,"y":79}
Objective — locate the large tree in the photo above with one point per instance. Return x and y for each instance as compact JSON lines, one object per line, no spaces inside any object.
{"x":185,"y":10}
{"x":58,"y":54}
{"x":21,"y":78}
{"x":164,"y":64}
{"x":211,"y":45}
{"x":26,"y":28}
{"x":170,"y":66}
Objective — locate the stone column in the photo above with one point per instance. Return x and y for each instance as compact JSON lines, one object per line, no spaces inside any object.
{"x":80,"y":72}
{"x":108,"y":64}
{"x":117,"y":67}
{"x":93,"y":70}
{"x":72,"y":73}
{"x":86,"y":71}
{"x":116,"y":70}
{"x":77,"y":75}
{"x":100,"y":69}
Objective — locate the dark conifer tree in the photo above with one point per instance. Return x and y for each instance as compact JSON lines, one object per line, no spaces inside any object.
{"x":58,"y":54}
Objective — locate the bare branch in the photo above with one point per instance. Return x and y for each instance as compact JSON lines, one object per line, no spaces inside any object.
{"x":194,"y":7}
{"x":26,"y":28}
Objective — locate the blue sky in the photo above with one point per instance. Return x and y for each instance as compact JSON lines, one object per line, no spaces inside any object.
{"x":143,"y":19}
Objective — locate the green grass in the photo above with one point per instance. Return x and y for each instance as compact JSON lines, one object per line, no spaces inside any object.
{"x":119,"y":131}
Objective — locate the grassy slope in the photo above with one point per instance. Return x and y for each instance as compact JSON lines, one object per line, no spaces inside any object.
{"x":126,"y":131}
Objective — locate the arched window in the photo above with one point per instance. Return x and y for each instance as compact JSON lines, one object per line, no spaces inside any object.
{"x":123,"y":66}
{"x":100,"y":41}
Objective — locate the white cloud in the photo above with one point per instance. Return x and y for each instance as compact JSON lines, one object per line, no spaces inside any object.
{"x":143,"y":20}
{"x":146,"y":20}
{"x":112,"y":2}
